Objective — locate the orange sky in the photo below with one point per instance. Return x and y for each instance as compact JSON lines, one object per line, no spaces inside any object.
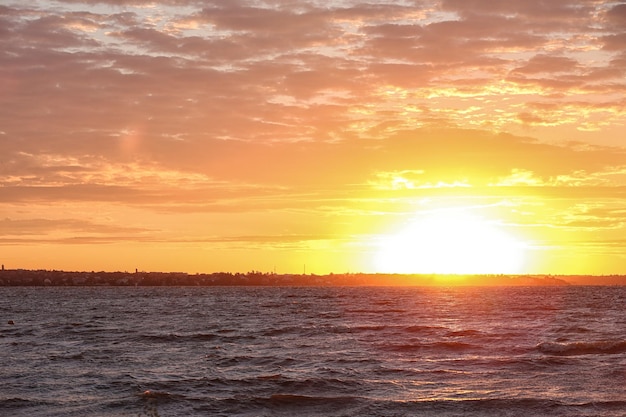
{"x":202,"y":136}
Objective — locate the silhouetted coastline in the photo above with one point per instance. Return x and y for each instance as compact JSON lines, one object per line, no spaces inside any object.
{"x":25,"y":277}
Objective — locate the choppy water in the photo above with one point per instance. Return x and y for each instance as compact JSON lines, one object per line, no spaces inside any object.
{"x":557,"y":351}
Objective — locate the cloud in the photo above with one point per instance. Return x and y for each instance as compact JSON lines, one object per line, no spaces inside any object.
{"x":617,"y":15}
{"x":25,"y":227}
{"x":207,"y":172}
{"x":306,"y":108}
{"x":235,"y":73}
{"x":547,"y":64}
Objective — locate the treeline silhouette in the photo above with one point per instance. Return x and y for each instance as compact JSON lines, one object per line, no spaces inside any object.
{"x":24,"y":277}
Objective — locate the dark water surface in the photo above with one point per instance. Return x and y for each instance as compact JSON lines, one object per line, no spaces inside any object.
{"x":224,"y":351}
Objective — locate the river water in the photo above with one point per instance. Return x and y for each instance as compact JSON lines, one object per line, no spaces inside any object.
{"x":330,"y":351}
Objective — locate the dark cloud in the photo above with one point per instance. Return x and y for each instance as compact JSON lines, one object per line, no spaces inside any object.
{"x":538,"y":10}
{"x":546,"y":63}
{"x":617,"y":15}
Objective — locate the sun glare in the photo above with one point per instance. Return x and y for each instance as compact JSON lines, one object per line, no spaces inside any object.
{"x":450,"y":242}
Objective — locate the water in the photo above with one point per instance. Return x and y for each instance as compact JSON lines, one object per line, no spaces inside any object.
{"x":253,"y":351}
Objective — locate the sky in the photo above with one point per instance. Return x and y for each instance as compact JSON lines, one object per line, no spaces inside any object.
{"x":295,"y":136}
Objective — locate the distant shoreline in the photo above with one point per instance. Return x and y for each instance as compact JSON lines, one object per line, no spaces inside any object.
{"x":25,"y":277}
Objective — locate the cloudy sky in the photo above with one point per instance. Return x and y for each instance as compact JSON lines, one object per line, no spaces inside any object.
{"x":188,"y":135}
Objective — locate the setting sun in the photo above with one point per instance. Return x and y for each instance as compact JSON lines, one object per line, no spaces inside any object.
{"x":450,"y":242}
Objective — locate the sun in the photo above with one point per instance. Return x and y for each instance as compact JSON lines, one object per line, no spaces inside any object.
{"x":451,"y":242}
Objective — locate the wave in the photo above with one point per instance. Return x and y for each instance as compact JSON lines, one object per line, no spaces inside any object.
{"x":371,"y":328}
{"x":282,"y":404}
{"x":156,"y":394}
{"x":498,"y":406}
{"x":573,"y":330}
{"x":376,"y":310}
{"x":269,"y":377}
{"x":605,"y":347}
{"x":414,"y":329}
{"x":17,"y":332}
{"x":17,"y":402}
{"x":307,"y":399}
{"x":316,"y":385}
{"x":175,"y":337}
{"x":604,"y":405}
{"x":281,"y":331}
{"x":273,"y":362}
{"x":464,"y":333}
{"x":436,"y":346}
{"x":424,"y":329}
{"x":318,"y":405}
{"x":67,"y":356}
